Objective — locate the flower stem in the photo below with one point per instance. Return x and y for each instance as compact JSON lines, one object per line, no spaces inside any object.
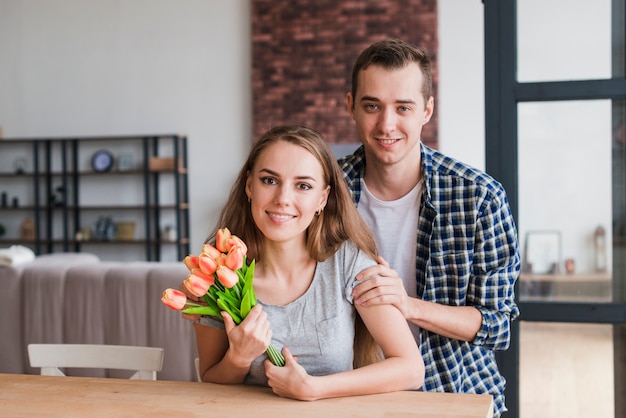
{"x":275,"y":356}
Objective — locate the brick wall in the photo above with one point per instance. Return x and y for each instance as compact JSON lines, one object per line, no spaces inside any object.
{"x":303,"y":51}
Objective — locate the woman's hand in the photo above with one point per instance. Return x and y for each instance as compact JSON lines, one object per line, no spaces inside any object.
{"x":192,"y":298}
{"x":250,"y":338}
{"x":291,"y":380}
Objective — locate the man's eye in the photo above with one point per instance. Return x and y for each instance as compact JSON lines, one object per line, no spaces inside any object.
{"x":404,"y":109}
{"x":371,"y":107}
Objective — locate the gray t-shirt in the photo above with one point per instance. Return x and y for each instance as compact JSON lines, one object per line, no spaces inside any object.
{"x":318,"y":327}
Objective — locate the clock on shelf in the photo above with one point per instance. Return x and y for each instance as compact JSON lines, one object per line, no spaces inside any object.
{"x":102,"y":161}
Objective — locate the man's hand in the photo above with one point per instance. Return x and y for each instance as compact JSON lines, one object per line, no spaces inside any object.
{"x":381,"y":284}
{"x":457,"y":322}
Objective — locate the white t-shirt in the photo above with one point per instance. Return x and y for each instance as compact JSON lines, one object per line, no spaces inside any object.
{"x":394,"y":224}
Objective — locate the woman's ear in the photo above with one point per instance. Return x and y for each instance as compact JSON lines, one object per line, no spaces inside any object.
{"x":324,"y":200}
{"x":248,"y":191}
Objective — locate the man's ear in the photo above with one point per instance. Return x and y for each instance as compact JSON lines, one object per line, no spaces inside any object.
{"x":429,"y":109}
{"x":350,"y":104}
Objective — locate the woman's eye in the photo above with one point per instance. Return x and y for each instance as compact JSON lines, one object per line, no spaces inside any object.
{"x":304,"y":186}
{"x":268,"y":180}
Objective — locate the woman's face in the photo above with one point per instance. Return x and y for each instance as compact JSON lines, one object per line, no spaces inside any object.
{"x":286,"y":187}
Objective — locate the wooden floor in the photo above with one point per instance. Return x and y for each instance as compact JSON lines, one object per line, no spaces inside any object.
{"x":566,"y":370}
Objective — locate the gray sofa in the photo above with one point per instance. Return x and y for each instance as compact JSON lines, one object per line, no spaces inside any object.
{"x":76,"y":298}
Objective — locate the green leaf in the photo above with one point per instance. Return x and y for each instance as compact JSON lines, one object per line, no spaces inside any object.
{"x":249,"y":275}
{"x":234,"y":303}
{"x":210,"y":300}
{"x":248,"y":287}
{"x":233,"y":292}
{"x":246,"y":304}
{"x":204,"y":310}
{"x":228,"y":309}
{"x":214,"y":292}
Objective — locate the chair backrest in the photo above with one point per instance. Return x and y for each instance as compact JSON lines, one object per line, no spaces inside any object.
{"x":196,"y":363}
{"x":146,"y":361}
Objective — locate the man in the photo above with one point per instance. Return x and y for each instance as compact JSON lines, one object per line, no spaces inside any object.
{"x":445,"y":227}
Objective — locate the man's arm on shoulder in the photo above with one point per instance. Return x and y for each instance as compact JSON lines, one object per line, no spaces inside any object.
{"x":384,"y":286}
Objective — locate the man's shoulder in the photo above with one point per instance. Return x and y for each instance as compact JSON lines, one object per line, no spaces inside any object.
{"x":353,"y":164}
{"x":445,"y":166}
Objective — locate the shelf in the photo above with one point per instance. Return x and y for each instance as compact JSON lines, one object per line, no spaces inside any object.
{"x":61,"y":169}
{"x":129,"y":241}
{"x":573,"y":278}
{"x":94,"y":242}
{"x":91,"y":173}
{"x":182,"y":206}
{"x":13,"y":174}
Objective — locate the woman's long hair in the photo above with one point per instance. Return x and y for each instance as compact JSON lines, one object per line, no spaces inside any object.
{"x":337,"y":223}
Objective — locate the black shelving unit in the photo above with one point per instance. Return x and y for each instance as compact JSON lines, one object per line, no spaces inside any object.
{"x":56,"y":186}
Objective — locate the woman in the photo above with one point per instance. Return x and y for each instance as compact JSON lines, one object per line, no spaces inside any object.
{"x":291,"y":206}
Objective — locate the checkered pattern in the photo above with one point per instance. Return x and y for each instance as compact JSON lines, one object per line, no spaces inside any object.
{"x":467,"y":255}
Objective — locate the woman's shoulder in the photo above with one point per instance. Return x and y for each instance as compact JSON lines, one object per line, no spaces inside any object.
{"x":347,"y":259}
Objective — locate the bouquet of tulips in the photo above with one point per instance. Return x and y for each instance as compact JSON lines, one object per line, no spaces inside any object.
{"x":221,"y":276}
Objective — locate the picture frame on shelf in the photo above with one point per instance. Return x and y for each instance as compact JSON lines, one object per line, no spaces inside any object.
{"x":125,"y":162}
{"x":542,"y":252}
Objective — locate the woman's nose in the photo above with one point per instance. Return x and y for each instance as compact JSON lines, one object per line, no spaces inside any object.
{"x":283,"y":195}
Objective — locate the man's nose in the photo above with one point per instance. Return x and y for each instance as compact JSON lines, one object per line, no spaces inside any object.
{"x":388,"y":121}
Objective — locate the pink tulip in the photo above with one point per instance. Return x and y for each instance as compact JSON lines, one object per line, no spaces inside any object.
{"x":234,"y":259}
{"x":209,"y":278}
{"x":228,"y":277}
{"x":207,"y":263}
{"x":221,"y":260}
{"x":234,"y":241}
{"x":221,"y":239}
{"x":196,"y":285}
{"x":211,"y":250}
{"x":175,"y":299}
{"x":191,"y":261}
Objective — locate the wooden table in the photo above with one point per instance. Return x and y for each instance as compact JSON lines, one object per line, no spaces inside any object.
{"x":23,"y":395}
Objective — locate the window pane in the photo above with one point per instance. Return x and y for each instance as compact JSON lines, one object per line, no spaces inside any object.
{"x":566,"y":370}
{"x":618,"y":156}
{"x":566,"y":223}
{"x":564,"y":40}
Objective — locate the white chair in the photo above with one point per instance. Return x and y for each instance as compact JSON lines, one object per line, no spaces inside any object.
{"x":146,"y":361}
{"x":197,"y":364}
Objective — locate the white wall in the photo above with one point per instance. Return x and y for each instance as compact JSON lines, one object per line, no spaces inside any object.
{"x":115,"y":67}
{"x":461,"y":101}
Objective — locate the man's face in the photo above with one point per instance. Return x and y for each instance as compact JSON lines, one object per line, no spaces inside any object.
{"x":389,"y":112}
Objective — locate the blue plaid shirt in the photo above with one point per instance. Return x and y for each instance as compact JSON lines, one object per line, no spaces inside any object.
{"x":467,"y":255}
